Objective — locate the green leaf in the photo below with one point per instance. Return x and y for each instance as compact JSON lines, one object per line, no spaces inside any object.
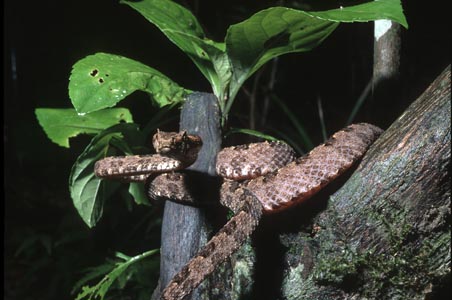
{"x":87,"y":191}
{"x":99,"y":290}
{"x":253,"y":133}
{"x":62,"y":124}
{"x":102,"y":80}
{"x":93,"y":273}
{"x":268,"y":34}
{"x":364,"y":12}
{"x":278,"y":30}
{"x":183,"y":29}
{"x":169,"y":17}
{"x":138,"y":193}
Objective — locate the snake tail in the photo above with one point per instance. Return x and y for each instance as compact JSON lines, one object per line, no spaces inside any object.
{"x":217,"y":250}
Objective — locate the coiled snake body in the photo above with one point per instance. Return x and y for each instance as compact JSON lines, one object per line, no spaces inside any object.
{"x":280,"y":181}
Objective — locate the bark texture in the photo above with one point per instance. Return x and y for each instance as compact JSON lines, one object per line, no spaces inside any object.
{"x":387,"y":46}
{"x":385,"y":234}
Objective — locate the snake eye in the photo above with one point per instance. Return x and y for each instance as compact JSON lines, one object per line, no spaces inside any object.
{"x":164,"y":150}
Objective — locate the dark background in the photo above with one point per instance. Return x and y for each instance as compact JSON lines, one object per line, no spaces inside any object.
{"x":46,"y":243}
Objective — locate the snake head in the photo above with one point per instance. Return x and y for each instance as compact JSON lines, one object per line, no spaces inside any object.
{"x":176,"y":143}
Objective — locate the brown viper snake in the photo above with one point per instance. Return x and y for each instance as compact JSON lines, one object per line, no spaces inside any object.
{"x":279,"y":181}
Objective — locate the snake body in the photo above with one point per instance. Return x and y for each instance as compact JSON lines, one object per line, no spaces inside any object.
{"x":305,"y":176}
{"x":281,"y":183}
{"x":175,"y":151}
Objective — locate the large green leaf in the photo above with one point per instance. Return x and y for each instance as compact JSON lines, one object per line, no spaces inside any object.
{"x":62,"y":124}
{"x":88,"y":192}
{"x":102,"y":80}
{"x":183,"y":29}
{"x":364,"y":12}
{"x":279,"y":30}
{"x":268,"y":34}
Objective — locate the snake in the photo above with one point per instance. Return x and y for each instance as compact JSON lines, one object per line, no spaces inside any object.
{"x":258,"y":178}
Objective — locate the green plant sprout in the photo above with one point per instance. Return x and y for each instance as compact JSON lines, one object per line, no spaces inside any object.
{"x":113,"y":270}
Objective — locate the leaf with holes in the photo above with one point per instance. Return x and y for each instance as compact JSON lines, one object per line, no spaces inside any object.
{"x":102,"y":80}
{"x":88,"y":192}
{"x":62,"y":124}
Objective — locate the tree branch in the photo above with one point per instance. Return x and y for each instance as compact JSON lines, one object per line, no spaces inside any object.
{"x":385,"y":234}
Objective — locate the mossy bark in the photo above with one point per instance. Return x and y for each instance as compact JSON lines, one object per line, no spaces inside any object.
{"x":385,"y":234}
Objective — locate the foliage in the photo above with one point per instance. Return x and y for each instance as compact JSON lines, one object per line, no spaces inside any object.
{"x":250,"y":44}
{"x":119,"y":271}
{"x":62,"y":124}
{"x":102,"y":80}
{"x":88,"y":191}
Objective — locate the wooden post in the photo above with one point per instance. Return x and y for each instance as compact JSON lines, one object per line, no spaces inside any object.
{"x":184,"y":228}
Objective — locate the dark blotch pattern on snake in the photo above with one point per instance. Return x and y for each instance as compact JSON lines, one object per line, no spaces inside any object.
{"x":282,"y":182}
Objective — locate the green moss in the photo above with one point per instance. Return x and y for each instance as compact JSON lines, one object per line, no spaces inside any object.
{"x":401,"y":272}
{"x":294,"y":286}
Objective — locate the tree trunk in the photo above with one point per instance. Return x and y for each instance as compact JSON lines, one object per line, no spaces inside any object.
{"x":385,"y":234}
